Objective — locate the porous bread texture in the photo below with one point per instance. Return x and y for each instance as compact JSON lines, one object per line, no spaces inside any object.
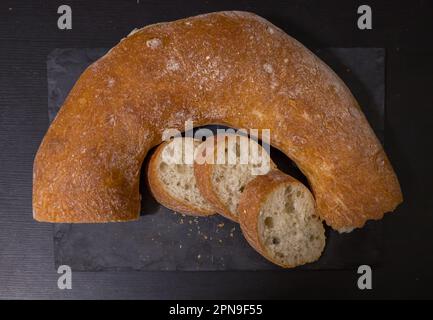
{"x":174,"y":172}
{"x":229,"y":182}
{"x":278,"y":218}
{"x":289,"y":228}
{"x":228,"y":177}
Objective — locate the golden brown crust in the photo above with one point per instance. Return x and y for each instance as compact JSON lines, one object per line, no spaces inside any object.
{"x":228,"y":67}
{"x":160,"y":193}
{"x":254,"y":196}
{"x":203,"y":175}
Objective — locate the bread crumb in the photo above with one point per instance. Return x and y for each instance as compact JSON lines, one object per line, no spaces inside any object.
{"x":232,"y":230}
{"x":220,"y":225}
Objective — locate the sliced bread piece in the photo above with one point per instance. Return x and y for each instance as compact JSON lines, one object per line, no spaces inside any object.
{"x":278,"y":218}
{"x":171,"y":177}
{"x":224,"y":165}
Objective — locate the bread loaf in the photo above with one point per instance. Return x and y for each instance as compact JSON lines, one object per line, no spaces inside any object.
{"x":232,"y":68}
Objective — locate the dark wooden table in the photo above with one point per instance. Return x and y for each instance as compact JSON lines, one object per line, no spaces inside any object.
{"x":28,"y":32}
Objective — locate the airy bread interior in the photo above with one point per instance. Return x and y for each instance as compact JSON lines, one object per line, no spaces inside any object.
{"x":288,"y":226}
{"x":230,"y":179}
{"x":177,"y":174}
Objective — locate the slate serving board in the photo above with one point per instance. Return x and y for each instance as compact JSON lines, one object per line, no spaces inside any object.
{"x":164,"y":240}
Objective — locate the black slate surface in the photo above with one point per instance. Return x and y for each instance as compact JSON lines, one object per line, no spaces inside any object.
{"x":163,"y":240}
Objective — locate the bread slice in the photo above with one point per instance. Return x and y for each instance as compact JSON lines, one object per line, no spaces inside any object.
{"x":171,"y":178}
{"x":278,"y":218}
{"x":222,"y":182}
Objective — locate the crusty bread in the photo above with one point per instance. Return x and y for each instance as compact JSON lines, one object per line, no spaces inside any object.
{"x":221,"y":184}
{"x":278,"y":218}
{"x":232,"y":68}
{"x":171,"y":178}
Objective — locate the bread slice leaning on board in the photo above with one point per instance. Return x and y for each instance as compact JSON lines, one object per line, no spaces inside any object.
{"x":224,"y":165}
{"x":278,"y":217}
{"x":170,"y":175}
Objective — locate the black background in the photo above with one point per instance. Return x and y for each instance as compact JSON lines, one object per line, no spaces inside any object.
{"x":28,"y":32}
